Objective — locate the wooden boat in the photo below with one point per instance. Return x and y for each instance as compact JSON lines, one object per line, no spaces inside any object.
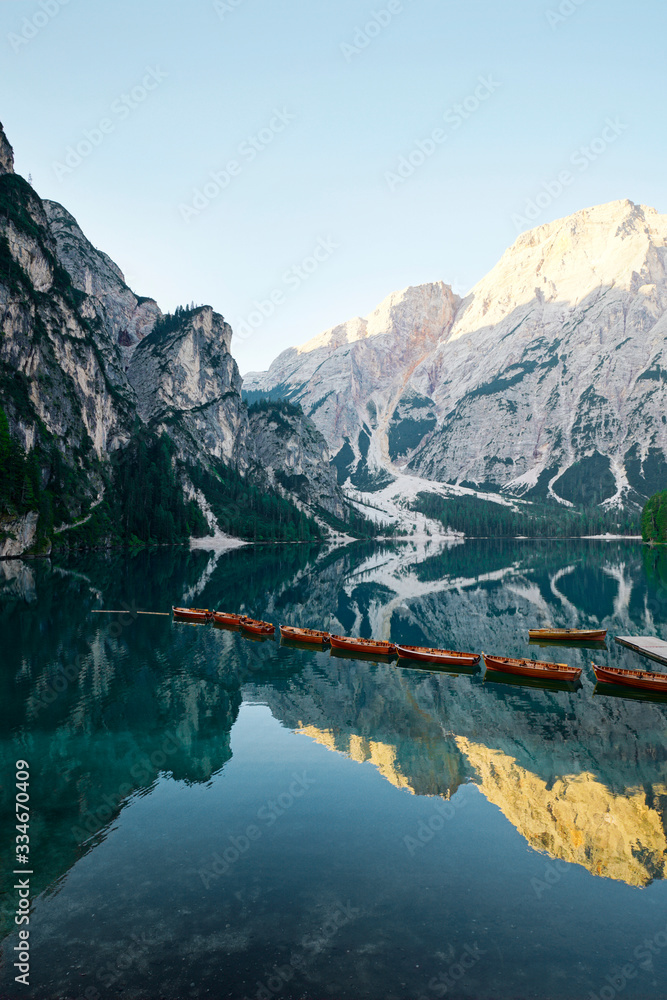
{"x":568,"y":634}
{"x":257,"y":627}
{"x":309,"y":635}
{"x":643,"y":680}
{"x":424,"y":654}
{"x":193,"y":614}
{"x":227,"y":618}
{"x":377,"y":646}
{"x":532,"y":668}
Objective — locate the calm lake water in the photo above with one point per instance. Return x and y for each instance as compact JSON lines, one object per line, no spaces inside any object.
{"x":213,"y":816}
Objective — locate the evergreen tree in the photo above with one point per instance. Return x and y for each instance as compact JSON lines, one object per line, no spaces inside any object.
{"x":654,"y":518}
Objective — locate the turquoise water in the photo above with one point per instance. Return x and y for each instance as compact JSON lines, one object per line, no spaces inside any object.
{"x":213,"y":816}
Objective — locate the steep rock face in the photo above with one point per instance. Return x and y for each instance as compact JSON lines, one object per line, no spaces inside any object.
{"x":548,"y":380}
{"x":6,"y":154}
{"x":188,"y":385}
{"x":61,"y":378}
{"x":294,"y":454}
{"x":127,"y":317}
{"x":351,"y":378}
{"x":557,"y":361}
{"x":17,"y":535}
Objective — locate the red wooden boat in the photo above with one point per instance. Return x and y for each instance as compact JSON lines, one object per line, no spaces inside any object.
{"x":642,"y":679}
{"x":532,"y":668}
{"x":309,"y":635}
{"x":424,"y":654}
{"x":227,"y":618}
{"x":568,"y":634}
{"x":193,"y":614}
{"x":257,"y":627}
{"x":377,"y":646}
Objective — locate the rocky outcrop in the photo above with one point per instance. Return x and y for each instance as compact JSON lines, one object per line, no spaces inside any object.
{"x":17,"y":535}
{"x":126,"y":317}
{"x":6,"y":154}
{"x":61,"y":376}
{"x":188,"y":385}
{"x":295,"y":456}
{"x":549,"y":380}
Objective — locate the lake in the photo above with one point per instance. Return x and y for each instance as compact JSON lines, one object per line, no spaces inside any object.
{"x":217,"y":816}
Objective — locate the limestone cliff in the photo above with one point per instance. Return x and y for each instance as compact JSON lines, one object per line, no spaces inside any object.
{"x":6,"y":154}
{"x":62,"y":381}
{"x":295,"y":456}
{"x":126,"y":317}
{"x":558,"y":360}
{"x":188,"y":385}
{"x":17,"y":534}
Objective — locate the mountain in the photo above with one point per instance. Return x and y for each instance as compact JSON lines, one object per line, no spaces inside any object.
{"x":354,"y":380}
{"x":118,"y":422}
{"x":548,"y":381}
{"x":294,"y":455}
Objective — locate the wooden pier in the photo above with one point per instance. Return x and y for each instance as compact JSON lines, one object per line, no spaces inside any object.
{"x":647,"y":645}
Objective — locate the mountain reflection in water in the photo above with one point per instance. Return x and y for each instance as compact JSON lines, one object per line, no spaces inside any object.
{"x":105,"y":706}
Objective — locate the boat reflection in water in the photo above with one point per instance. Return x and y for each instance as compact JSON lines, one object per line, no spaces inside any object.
{"x":603,"y":690}
{"x":565,"y":644}
{"x":498,"y":677}
{"x":369,"y":657}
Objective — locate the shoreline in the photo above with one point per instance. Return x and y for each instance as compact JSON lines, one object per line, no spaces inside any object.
{"x":227,"y":543}
{"x":217,"y":543}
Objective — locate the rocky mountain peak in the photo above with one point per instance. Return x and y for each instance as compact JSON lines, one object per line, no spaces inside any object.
{"x":6,"y":154}
{"x":128,"y":317}
{"x":294,"y":455}
{"x":187,"y":383}
{"x":617,"y":245}
{"x":212,"y":326}
{"x":416,"y":311}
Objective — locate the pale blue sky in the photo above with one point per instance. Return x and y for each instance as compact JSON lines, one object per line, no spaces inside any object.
{"x":221,"y":73}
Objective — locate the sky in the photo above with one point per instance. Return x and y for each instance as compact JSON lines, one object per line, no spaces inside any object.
{"x":292,"y":163}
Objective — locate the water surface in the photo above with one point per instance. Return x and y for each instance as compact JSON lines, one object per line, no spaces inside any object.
{"x":219,"y":817}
